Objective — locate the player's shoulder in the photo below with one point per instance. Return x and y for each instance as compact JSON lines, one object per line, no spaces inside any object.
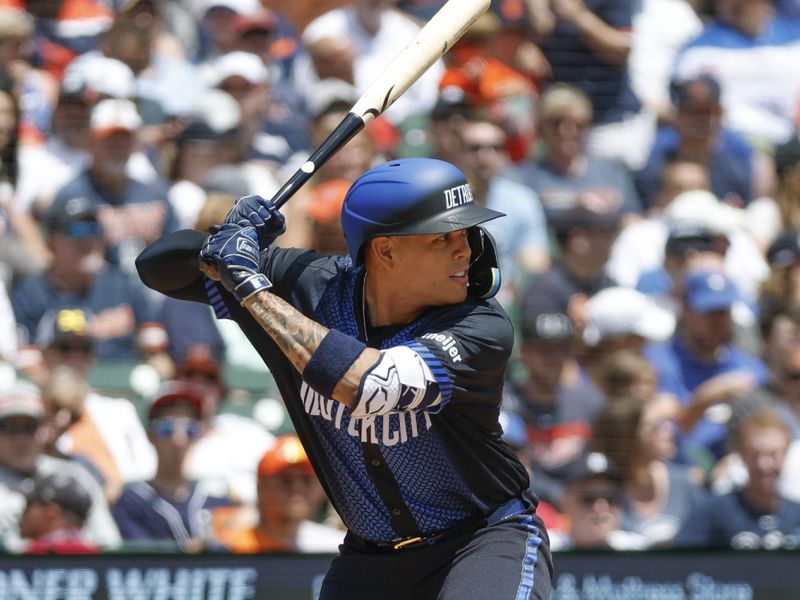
{"x":484,"y":322}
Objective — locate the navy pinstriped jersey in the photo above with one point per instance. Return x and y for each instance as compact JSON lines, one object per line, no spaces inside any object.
{"x":447,"y":464}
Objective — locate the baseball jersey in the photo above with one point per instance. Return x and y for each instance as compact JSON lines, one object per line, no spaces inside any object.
{"x":408,"y":472}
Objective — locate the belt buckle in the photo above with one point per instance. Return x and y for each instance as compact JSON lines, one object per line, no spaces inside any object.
{"x":406,"y":542}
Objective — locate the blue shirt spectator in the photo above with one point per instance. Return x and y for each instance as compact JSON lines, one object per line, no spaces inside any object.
{"x":701,"y":351}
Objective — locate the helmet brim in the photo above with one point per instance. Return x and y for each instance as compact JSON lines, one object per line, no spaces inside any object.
{"x":463,"y":217}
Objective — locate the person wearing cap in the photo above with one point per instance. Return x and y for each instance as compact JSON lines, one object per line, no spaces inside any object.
{"x":585,"y":236}
{"x":132,"y":211}
{"x":592,"y":506}
{"x":658,"y":493}
{"x":101,"y":431}
{"x":698,"y":134}
{"x":701,"y":365}
{"x":55,"y":512}
{"x":756,"y":514}
{"x":564,"y":174}
{"x":522,"y":242}
{"x":289,"y":497}
{"x":390,"y":361}
{"x":22,"y":460}
{"x":555,"y":400}
{"x":620,"y":318}
{"x":117,"y":308}
{"x":268,"y":133}
{"x":231,"y":444}
{"x":745,"y":44}
{"x":169,"y":507}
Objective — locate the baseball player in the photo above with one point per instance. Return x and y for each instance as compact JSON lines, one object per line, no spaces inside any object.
{"x":390,"y":361}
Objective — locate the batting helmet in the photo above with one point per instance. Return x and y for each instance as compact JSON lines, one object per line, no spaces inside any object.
{"x":415,"y":196}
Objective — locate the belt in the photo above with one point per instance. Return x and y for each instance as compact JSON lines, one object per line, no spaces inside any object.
{"x":506,"y":510}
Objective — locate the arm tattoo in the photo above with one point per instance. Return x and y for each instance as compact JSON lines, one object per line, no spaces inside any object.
{"x":298,"y":337}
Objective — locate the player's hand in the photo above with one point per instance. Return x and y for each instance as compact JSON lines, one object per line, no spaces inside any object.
{"x":234,"y":250}
{"x":258,"y":212}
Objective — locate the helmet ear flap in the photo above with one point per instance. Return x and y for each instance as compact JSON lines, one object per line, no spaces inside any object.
{"x":484,"y":272}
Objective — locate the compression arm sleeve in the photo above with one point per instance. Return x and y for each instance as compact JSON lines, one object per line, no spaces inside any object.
{"x":401,"y":380}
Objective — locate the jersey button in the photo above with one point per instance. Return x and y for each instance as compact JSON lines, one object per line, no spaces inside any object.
{"x":376,"y":462}
{"x":396,"y":512}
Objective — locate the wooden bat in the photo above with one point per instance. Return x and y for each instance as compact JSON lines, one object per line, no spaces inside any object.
{"x":435,"y":38}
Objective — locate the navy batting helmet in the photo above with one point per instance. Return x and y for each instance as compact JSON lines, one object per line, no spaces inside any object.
{"x":414,"y":196}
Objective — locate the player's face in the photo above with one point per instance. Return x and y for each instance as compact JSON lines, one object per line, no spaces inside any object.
{"x":436,"y":266}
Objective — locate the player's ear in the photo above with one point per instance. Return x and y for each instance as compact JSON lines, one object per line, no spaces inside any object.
{"x":382,"y":249}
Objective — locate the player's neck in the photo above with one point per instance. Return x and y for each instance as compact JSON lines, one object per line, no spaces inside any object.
{"x":385,"y":305}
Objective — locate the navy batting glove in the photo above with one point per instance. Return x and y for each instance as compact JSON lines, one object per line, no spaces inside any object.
{"x":234,"y":250}
{"x":260,"y":213}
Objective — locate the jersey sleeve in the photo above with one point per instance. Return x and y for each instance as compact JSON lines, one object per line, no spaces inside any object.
{"x":468,"y":355}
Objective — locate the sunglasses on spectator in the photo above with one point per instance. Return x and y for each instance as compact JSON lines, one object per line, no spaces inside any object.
{"x":477,"y":147}
{"x":82,"y":229}
{"x":166,"y":427}
{"x":19,"y":426}
{"x":67,"y":347}
{"x":589,"y":498}
{"x":792,"y":375}
{"x":557,"y":121}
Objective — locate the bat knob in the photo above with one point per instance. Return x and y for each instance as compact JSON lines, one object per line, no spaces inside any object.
{"x":209,"y":268}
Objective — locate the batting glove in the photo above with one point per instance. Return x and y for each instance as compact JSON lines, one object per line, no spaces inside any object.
{"x":260,"y":213}
{"x":234,"y":250}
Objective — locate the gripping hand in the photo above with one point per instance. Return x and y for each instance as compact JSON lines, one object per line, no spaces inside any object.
{"x":260,"y":213}
{"x":234,"y":250}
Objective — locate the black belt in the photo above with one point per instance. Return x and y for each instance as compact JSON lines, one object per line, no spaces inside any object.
{"x":508,"y":509}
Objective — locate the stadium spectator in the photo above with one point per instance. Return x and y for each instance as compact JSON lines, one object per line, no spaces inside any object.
{"x":660,"y":29}
{"x":36,"y":88}
{"x":106,"y":433}
{"x":564,"y":174}
{"x":199,"y":148}
{"x":584,"y":236}
{"x":521,"y":237}
{"x":620,"y":318}
{"x":170,"y":507}
{"x":698,"y":135}
{"x":592,"y":505}
{"x":22,"y":249}
{"x":638,"y":437}
{"x":491,"y":84}
{"x":701,"y":366}
{"x":744,"y":46}
{"x":289,"y":498}
{"x":554,"y":398}
{"x":22,"y":459}
{"x":228,"y":450}
{"x":756,"y":515}
{"x":587,"y":45}
{"x":132,"y":212}
{"x":79,"y":276}
{"x":693,"y":227}
{"x":377,"y":30}
{"x":55,"y":512}
{"x":266,"y":140}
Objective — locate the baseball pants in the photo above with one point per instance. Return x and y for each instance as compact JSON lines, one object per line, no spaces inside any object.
{"x":509,"y":560}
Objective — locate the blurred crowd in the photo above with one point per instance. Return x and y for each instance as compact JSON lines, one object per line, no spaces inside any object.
{"x":647,"y":157}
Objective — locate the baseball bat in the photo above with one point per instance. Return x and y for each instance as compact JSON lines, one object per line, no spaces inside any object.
{"x":432,"y":41}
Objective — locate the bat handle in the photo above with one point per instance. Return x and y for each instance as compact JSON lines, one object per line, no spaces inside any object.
{"x":344,"y":132}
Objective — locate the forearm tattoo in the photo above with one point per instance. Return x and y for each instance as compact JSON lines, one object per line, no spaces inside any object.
{"x":298,"y":337}
{"x":295,"y":334}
